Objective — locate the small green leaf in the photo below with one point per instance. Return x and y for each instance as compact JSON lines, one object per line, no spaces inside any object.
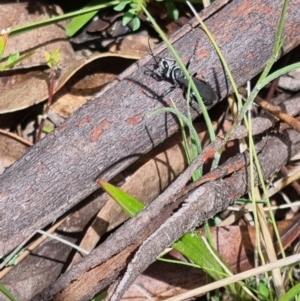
{"x":127,"y":18}
{"x":136,"y":23}
{"x":121,"y":5}
{"x":133,"y":5}
{"x":3,"y":40}
{"x":132,"y":11}
{"x":264,"y":291}
{"x":7,"y":293}
{"x":53,"y":59}
{"x":173,"y":12}
{"x":13,"y":58}
{"x":130,"y":205}
{"x":48,"y":129}
{"x":291,"y":294}
{"x":13,"y":260}
{"x":56,"y":56}
{"x":78,"y":22}
{"x":101,"y":297}
{"x":47,"y":56}
{"x":193,"y":246}
{"x":20,"y":59}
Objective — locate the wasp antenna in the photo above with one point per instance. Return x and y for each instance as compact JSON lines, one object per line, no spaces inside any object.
{"x":151,"y":52}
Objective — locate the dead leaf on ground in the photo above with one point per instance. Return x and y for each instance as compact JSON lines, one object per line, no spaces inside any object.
{"x":11,"y":150}
{"x":35,"y":89}
{"x":43,"y":39}
{"x":43,"y":265}
{"x":234,"y":243}
{"x":89,"y":80}
{"x":137,"y":43}
{"x":145,"y":185}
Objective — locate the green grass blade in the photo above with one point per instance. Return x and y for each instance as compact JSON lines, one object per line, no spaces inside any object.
{"x":24,"y":28}
{"x":291,"y":294}
{"x":193,"y":246}
{"x":185,"y":72}
{"x":129,"y":204}
{"x":7,"y":293}
{"x":79,"y":21}
{"x":194,"y":148}
{"x":189,"y":124}
{"x":277,"y":47}
{"x":190,"y":245}
{"x":13,"y":60}
{"x":3,"y":41}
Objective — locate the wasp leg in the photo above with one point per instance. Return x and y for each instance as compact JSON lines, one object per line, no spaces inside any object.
{"x":168,"y":91}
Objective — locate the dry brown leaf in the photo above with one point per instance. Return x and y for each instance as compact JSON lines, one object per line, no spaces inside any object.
{"x":35,"y":89}
{"x":43,"y":39}
{"x":137,"y":43}
{"x":164,"y":280}
{"x":89,"y":80}
{"x":11,"y":149}
{"x":145,"y":185}
{"x":234,"y":243}
{"x":12,"y":78}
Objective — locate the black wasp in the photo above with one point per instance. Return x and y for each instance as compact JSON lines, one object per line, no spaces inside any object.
{"x":169,"y":70}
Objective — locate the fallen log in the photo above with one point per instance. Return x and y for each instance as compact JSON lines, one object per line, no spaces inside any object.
{"x":150,"y":232}
{"x":114,"y":128}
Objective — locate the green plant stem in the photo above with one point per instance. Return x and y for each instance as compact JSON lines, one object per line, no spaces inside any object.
{"x":226,"y":67}
{"x":48,"y":105}
{"x":252,"y":154}
{"x":185,"y":72}
{"x":194,"y":140}
{"x":262,"y":79}
{"x":21,"y":29}
{"x":192,"y":130}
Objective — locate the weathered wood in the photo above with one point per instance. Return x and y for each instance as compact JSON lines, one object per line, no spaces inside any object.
{"x":91,"y":275}
{"x":114,"y":128}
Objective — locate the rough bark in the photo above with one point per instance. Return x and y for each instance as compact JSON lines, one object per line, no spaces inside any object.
{"x":114,"y":128}
{"x":91,"y":275}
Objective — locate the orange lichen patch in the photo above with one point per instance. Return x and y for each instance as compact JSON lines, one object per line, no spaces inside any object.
{"x":209,"y":154}
{"x":246,"y":8}
{"x":250,"y":55}
{"x":257,"y":31}
{"x":234,"y":168}
{"x":42,"y":166}
{"x":134,"y":120}
{"x":244,"y":27}
{"x":169,"y":102}
{"x":62,"y":127}
{"x":268,"y":11}
{"x":31,"y":191}
{"x":210,"y":177}
{"x":98,"y":130}
{"x":246,"y":69}
{"x":83,"y":121}
{"x":102,"y":101}
{"x":2,"y":193}
{"x":203,"y":53}
{"x":201,"y":75}
{"x":185,"y":59}
{"x":227,"y":37}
